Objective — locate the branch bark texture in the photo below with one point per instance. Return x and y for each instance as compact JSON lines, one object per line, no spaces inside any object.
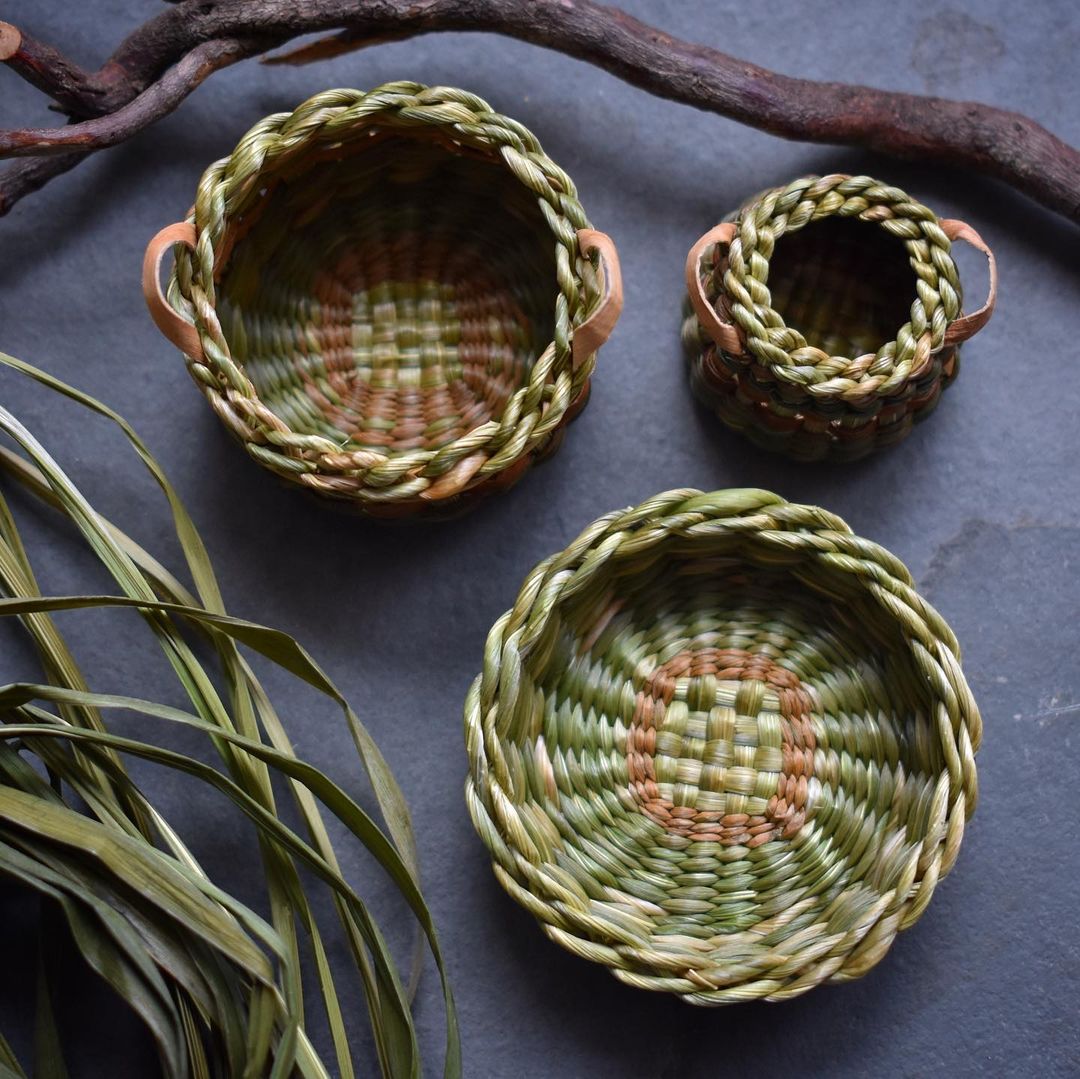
{"x":156,"y":66}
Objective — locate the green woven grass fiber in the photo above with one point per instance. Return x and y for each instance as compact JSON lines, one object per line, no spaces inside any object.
{"x":845,"y":286}
{"x":413,"y":333}
{"x":842,"y":289}
{"x":721,"y":746}
{"x":385,"y":287}
{"x":933,"y":298}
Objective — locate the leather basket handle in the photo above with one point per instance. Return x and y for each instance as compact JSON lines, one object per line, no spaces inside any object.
{"x":177,"y":329}
{"x":596,"y":329}
{"x":723,"y":333}
{"x":968,"y":325}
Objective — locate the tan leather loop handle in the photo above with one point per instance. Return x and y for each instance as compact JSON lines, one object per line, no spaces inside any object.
{"x":596,"y":329}
{"x":723,"y":333}
{"x":177,"y":329}
{"x":968,"y":325}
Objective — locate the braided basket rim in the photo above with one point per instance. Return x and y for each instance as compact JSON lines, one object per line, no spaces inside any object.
{"x":460,"y":121}
{"x":514,"y":839}
{"x":737,"y":285}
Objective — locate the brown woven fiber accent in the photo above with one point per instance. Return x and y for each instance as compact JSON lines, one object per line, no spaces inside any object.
{"x":721,"y":745}
{"x":386,"y":289}
{"x":840,"y":309}
{"x":714,"y":743}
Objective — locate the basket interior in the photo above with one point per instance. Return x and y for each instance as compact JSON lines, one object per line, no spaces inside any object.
{"x":846,"y":285}
{"x":393,"y":298}
{"x":721,"y":738}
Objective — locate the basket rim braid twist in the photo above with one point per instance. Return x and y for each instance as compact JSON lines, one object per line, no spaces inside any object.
{"x":785,"y":381}
{"x":392,"y":297}
{"x":722,"y":746}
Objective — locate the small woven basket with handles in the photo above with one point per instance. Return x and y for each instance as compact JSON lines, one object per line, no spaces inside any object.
{"x":392,"y":298}
{"x":824,"y":318}
{"x":722,"y":746}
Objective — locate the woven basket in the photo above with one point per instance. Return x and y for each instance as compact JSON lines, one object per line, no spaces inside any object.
{"x":722,"y":746}
{"x":824,"y":318}
{"x":391,"y":298}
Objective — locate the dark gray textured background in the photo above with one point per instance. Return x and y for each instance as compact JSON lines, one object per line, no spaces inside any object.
{"x":982,"y":503}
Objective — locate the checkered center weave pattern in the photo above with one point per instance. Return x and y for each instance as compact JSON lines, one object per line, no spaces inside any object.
{"x":716,"y":733}
{"x":385,"y":286}
{"x":411,"y":338}
{"x":722,"y":746}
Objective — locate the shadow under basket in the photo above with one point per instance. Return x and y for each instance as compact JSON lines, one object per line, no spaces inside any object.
{"x":392,"y":298}
{"x":722,"y":746}
{"x":824,"y":319}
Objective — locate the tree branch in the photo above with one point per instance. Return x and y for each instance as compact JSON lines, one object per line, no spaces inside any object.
{"x":157,"y":65}
{"x":27,"y":176}
{"x":72,"y":88}
{"x":159,"y":99}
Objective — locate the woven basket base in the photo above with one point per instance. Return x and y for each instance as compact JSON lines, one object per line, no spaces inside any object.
{"x":732,"y":395}
{"x":396,"y":316}
{"x":720,"y":745}
{"x":845,"y":286}
{"x":727,"y":757}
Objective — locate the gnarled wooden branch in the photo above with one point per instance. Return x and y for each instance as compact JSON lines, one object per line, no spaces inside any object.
{"x":114,"y":127}
{"x":157,"y":65}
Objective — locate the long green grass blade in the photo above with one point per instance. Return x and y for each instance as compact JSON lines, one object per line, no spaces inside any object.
{"x":49,"y":1056}
{"x":391,"y":801}
{"x":224,"y":1017}
{"x":9,"y":1066}
{"x":394,"y":1006}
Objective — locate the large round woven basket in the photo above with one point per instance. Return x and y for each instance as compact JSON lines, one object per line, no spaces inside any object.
{"x":824,"y":318}
{"x":392,"y":298}
{"x":722,"y":746}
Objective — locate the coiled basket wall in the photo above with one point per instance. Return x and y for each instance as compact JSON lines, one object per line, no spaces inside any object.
{"x":392,"y":298}
{"x":825,"y":319}
{"x":722,"y":746}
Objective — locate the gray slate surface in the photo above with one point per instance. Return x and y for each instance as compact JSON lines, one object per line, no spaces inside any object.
{"x":982,"y":503}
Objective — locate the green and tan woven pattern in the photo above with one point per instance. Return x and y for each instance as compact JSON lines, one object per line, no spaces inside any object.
{"x":842,"y":290}
{"x":722,"y":746}
{"x":385,"y":287}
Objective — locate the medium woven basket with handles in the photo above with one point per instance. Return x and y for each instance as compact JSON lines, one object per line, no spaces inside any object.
{"x":722,"y":746}
{"x":392,"y":298}
{"x":824,"y":318}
